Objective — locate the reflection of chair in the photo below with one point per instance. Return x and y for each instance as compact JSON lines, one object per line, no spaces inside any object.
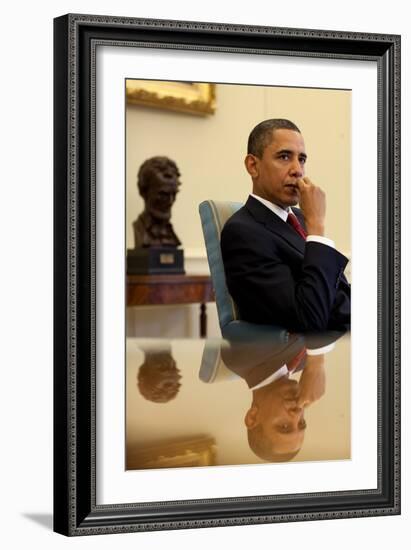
{"x":213,"y":216}
{"x":244,"y":343}
{"x":212,"y":367}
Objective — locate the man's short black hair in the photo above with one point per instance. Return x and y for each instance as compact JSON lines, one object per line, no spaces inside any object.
{"x":262,"y":134}
{"x":264,"y":448}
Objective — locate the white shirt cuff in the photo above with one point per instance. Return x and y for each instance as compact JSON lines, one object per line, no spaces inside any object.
{"x":320,"y":239}
{"x":321,"y":351}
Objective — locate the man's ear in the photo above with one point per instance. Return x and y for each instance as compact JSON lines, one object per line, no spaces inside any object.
{"x":251,"y":417}
{"x":251,"y":165}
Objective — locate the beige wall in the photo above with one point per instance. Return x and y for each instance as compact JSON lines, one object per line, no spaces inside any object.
{"x":209,"y":152}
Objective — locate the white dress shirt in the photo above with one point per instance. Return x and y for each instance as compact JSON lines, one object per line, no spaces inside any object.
{"x":283,"y":371}
{"x":283,"y":214}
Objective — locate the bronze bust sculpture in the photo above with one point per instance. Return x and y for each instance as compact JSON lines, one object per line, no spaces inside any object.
{"x":158,"y":182}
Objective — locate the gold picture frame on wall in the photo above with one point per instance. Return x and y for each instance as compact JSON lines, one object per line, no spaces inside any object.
{"x":195,"y":98}
{"x":183,"y":453}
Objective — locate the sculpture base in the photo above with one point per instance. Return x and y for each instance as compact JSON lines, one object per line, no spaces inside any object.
{"x":155,"y":261}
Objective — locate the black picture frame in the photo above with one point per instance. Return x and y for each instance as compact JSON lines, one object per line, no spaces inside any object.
{"x":75,"y":509}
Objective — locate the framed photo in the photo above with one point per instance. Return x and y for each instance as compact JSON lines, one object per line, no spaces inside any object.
{"x":187,"y":97}
{"x":344,"y":85}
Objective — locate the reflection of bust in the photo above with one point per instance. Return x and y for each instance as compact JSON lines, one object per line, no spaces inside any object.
{"x":158,"y":182}
{"x":158,"y":378}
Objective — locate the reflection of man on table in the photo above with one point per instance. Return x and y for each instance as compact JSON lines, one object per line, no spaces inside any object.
{"x":280,"y":268}
{"x":275,"y":420}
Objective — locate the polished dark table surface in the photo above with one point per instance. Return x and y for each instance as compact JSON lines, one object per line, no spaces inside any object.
{"x":217,"y":402}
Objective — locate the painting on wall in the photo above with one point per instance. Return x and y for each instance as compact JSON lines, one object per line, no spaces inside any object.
{"x":195,"y":98}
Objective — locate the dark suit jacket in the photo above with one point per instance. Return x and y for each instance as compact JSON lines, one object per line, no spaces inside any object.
{"x":257,"y":360}
{"x":275,"y":277}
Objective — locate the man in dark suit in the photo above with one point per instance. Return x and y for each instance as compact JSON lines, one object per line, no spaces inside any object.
{"x":275,"y":419}
{"x":280,"y":268}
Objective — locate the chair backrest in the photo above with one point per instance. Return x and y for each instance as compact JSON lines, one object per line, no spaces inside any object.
{"x":213,"y":216}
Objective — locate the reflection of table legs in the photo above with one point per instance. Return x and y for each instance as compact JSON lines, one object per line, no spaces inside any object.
{"x":203,"y":320}
{"x":171,"y":290}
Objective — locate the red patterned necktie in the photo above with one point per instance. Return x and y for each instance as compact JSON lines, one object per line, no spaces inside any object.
{"x":293,"y":221}
{"x":296,"y":361}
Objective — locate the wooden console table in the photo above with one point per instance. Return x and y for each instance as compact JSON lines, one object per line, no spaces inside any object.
{"x":171,"y":289}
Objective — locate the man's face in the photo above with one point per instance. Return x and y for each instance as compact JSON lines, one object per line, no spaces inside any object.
{"x":282,"y":164}
{"x":281,"y":417}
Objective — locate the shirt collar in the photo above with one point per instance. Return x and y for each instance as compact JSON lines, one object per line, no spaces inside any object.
{"x":283,"y":214}
{"x":282,"y":371}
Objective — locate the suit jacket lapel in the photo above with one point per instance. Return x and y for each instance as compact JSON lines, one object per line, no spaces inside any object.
{"x":256,"y":361}
{"x":275,"y":224}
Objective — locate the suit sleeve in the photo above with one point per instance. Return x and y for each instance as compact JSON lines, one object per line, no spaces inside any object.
{"x":270,"y":289}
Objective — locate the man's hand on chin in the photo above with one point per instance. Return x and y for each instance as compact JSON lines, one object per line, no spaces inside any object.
{"x":313,"y":206}
{"x":312,"y":381}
